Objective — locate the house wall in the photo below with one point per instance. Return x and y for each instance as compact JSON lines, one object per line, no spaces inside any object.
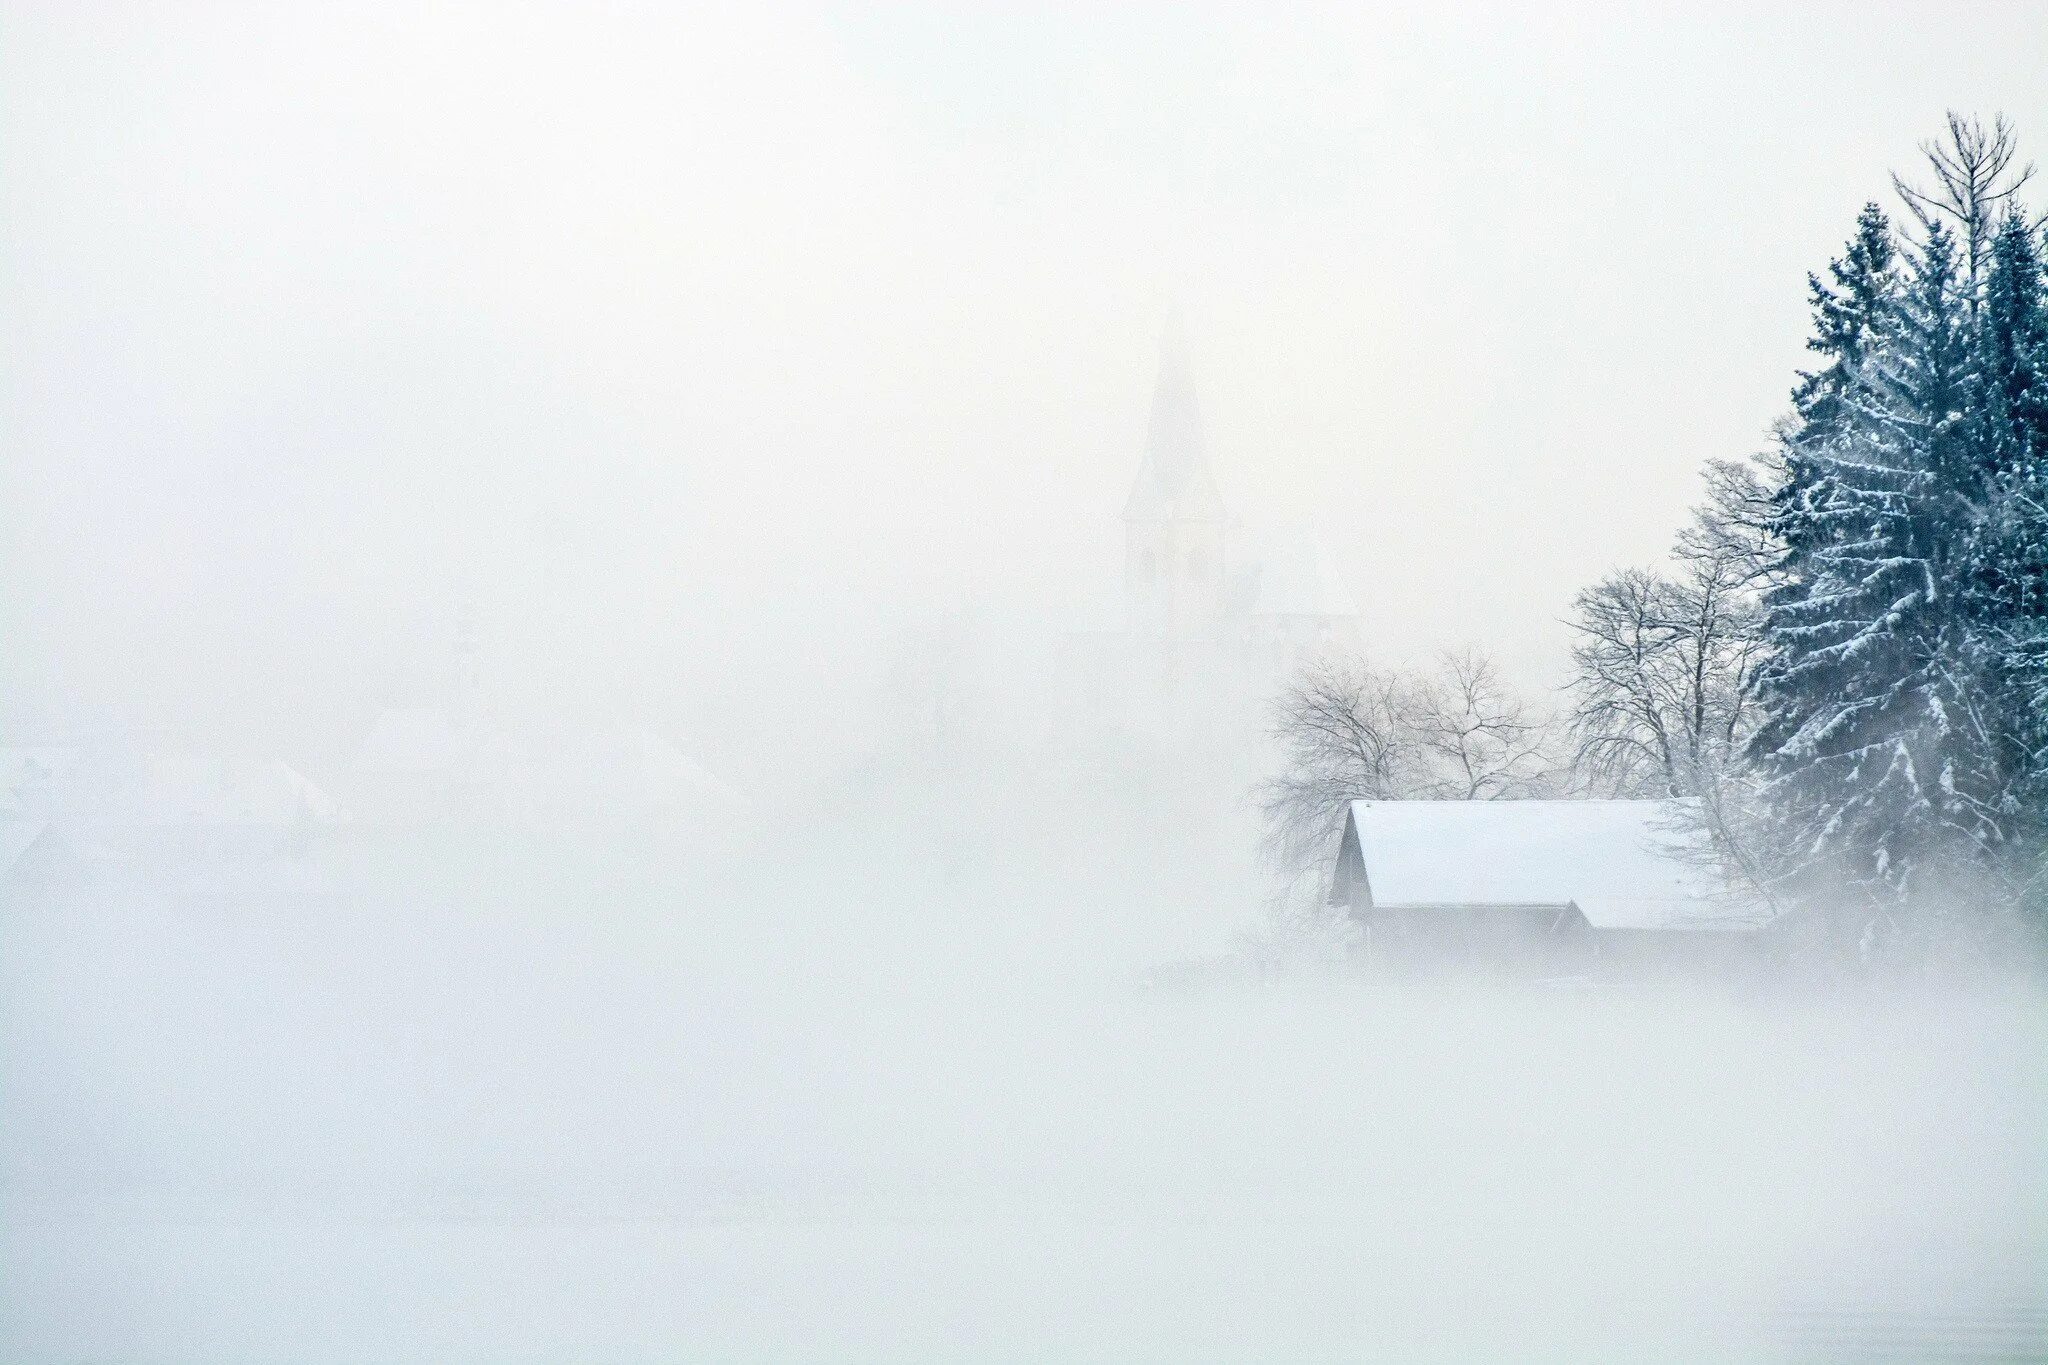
{"x":1547,"y":941}
{"x":1484,"y":940}
{"x":1348,"y":885}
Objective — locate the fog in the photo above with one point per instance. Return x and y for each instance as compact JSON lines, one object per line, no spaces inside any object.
{"x":667,"y":333}
{"x":587,"y":788}
{"x":445,"y":1128}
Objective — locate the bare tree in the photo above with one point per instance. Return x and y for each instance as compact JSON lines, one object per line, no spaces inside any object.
{"x":1477,"y":741}
{"x":1351,"y":733}
{"x":1735,"y":520}
{"x":1662,"y":667}
{"x":1661,"y":679}
{"x":1662,"y":675}
{"x":1342,"y":727}
{"x":1974,"y":182}
{"x":1625,"y":689}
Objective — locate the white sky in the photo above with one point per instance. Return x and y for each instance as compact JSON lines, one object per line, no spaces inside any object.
{"x":712,"y":347}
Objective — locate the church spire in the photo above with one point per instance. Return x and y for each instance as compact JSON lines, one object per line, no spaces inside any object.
{"x":1174,"y":482}
{"x":1174,"y":569}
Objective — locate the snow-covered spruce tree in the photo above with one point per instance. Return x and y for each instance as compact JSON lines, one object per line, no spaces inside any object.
{"x":1878,"y":745}
{"x":1851,"y":308}
{"x":2009,"y":579}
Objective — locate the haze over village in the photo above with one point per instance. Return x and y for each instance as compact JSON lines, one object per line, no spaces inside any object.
{"x":956,"y":683}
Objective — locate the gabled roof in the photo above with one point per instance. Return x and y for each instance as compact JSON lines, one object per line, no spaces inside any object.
{"x":414,"y":739}
{"x":181,"y":786}
{"x":630,"y":766}
{"x":18,"y":834}
{"x":121,"y":784}
{"x":1623,"y":863}
{"x":600,"y":768}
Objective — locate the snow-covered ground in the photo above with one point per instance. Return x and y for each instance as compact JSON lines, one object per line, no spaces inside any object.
{"x":588,"y":1121}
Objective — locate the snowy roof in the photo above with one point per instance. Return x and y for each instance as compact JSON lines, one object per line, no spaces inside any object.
{"x":187,"y":785}
{"x":115,"y":783}
{"x":632,"y":765}
{"x":541,"y":765}
{"x":1620,"y":862}
{"x":122,"y":785}
{"x":414,"y":739}
{"x":18,"y":834}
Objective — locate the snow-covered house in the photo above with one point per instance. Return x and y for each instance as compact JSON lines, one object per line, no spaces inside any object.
{"x":31,"y":779}
{"x":624,"y":777}
{"x":421,"y":766}
{"x":168,"y":799}
{"x":657,"y":774}
{"x":126,"y":800}
{"x":19,"y":836}
{"x":1558,"y":885}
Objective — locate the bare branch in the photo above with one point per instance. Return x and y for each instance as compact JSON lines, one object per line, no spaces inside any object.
{"x":1974,"y":179}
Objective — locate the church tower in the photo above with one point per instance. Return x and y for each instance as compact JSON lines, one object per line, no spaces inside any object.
{"x":1174,"y":570}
